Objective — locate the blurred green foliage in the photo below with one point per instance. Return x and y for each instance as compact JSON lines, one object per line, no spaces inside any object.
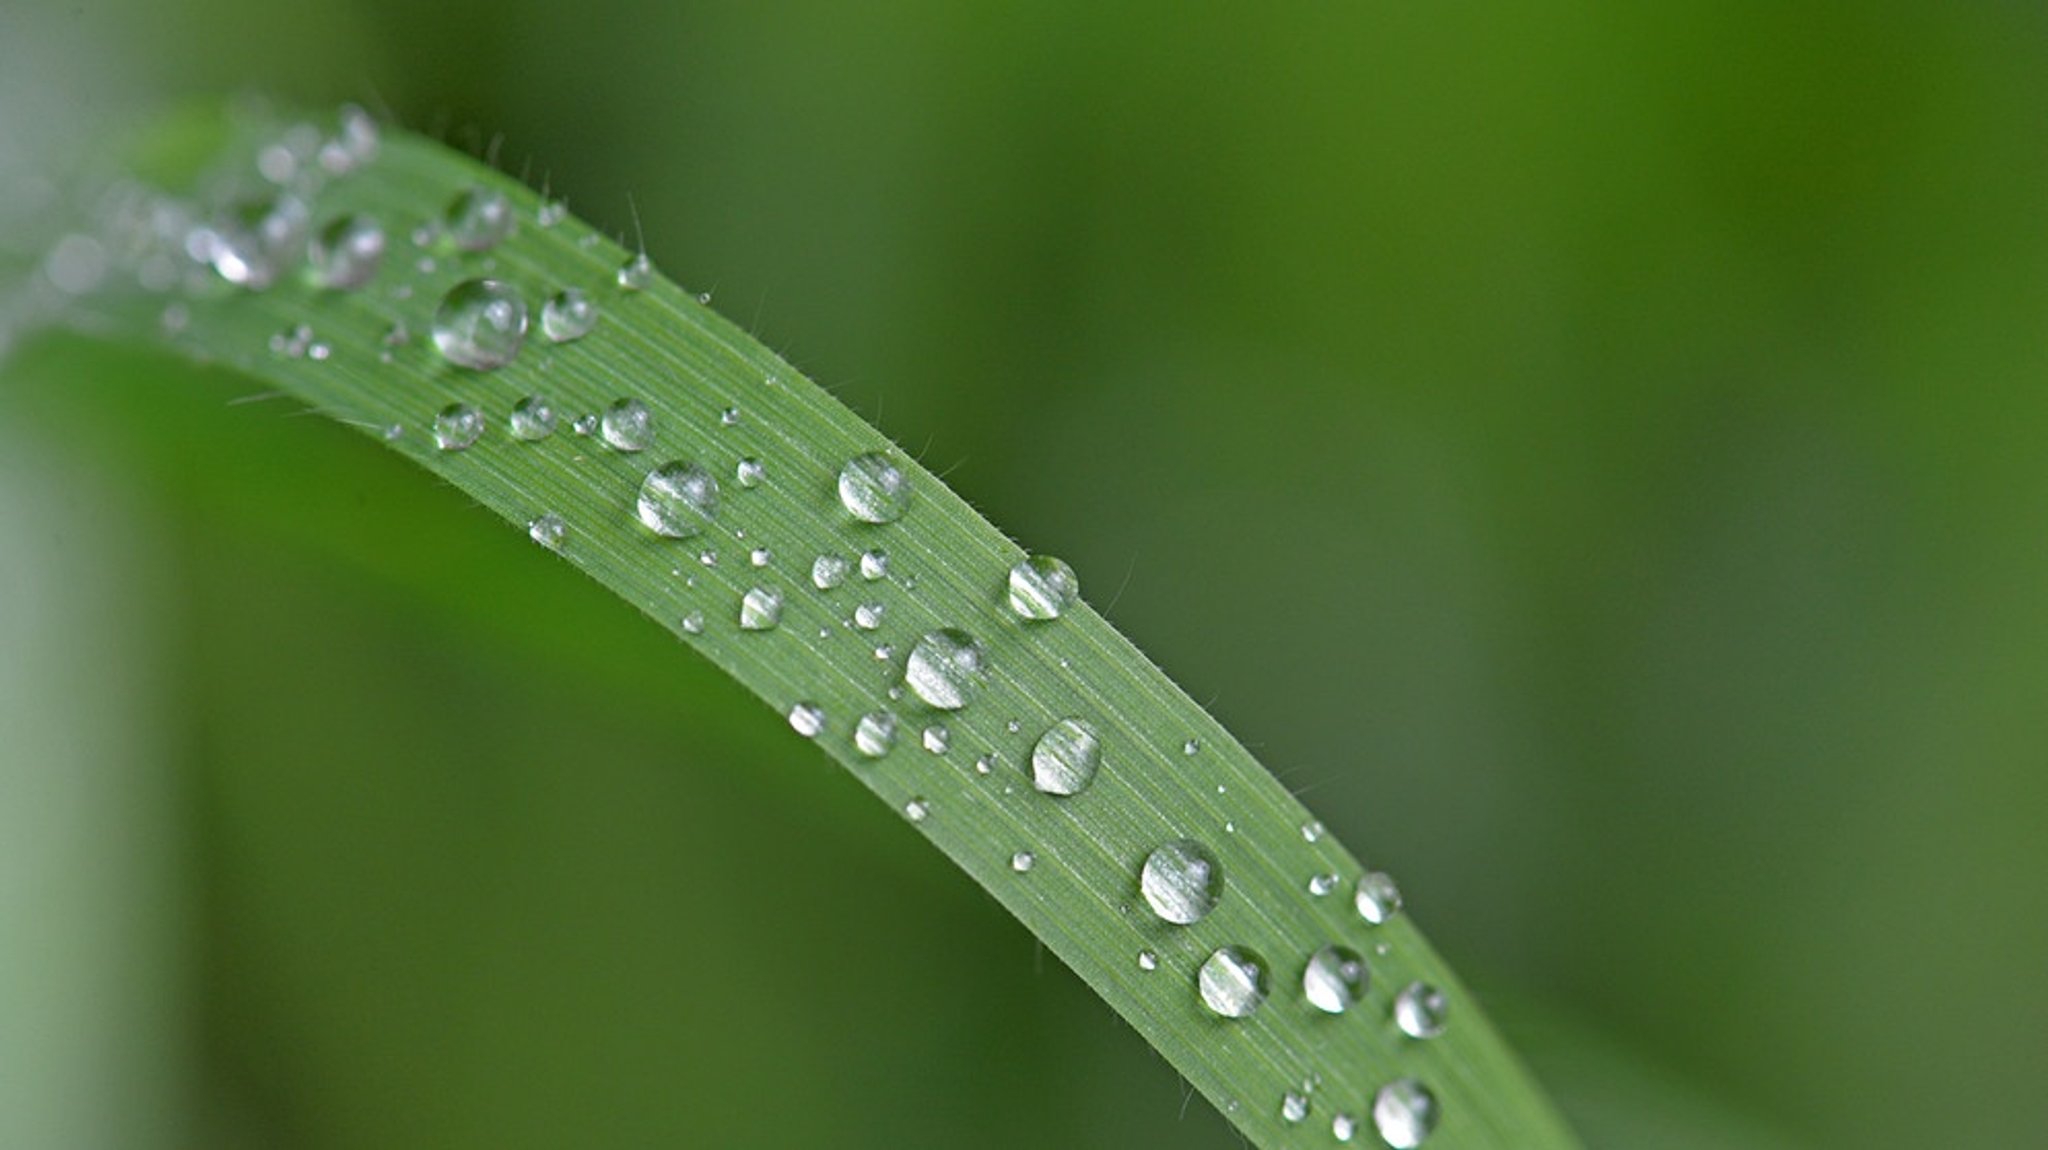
{"x":1592,"y":453}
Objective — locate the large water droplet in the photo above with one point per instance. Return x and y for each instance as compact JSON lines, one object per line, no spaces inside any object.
{"x":947,"y":668}
{"x":568,"y":315}
{"x":1421,"y":1010}
{"x":828,"y":571}
{"x":1378,"y":898}
{"x":1405,"y":1112}
{"x":1181,"y":881}
{"x":1066,"y":758}
{"x":678,"y":499}
{"x":1293,"y":1108}
{"x":480,"y":325}
{"x":532,"y":418}
{"x":1232,"y":981}
{"x":760,"y":609}
{"x":346,"y":253}
{"x":478,"y":219}
{"x":874,"y":489}
{"x":1335,"y":980}
{"x":1042,"y":587}
{"x":628,"y":425}
{"x":807,"y":719}
{"x":875,"y":734}
{"x":252,"y":243}
{"x":457,"y":426}
{"x":548,"y":531}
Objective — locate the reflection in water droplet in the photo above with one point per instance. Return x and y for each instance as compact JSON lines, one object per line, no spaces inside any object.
{"x":1405,"y":1112}
{"x":1181,"y":881}
{"x":916,"y":809}
{"x":947,"y":668}
{"x":678,"y":499}
{"x":937,"y":738}
{"x":1421,"y":1010}
{"x":873,"y":489}
{"x":636,"y":274}
{"x":1066,"y":758}
{"x":1378,"y":898}
{"x":532,"y":418}
{"x":548,"y":531}
{"x":1336,"y":978}
{"x":628,"y":425}
{"x":346,"y":253}
{"x":750,"y":472}
{"x":875,"y":734}
{"x":828,"y":571}
{"x":480,"y":325}
{"x":478,"y":219}
{"x":1148,"y":961}
{"x":1023,"y":861}
{"x":760,"y":609}
{"x":568,"y":315}
{"x":1233,"y":981}
{"x":1293,"y":1108}
{"x":457,"y":426}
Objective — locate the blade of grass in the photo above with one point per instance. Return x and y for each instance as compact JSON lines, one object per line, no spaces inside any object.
{"x":716,"y":398}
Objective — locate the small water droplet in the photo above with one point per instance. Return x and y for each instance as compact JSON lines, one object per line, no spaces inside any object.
{"x":532,"y":418}
{"x":984,"y":764}
{"x":1066,"y":758}
{"x":636,"y":274}
{"x":548,"y":531}
{"x":868,"y":616}
{"x":457,"y":426}
{"x":393,"y":432}
{"x":480,"y":325}
{"x":760,"y":609}
{"x":1232,"y":982}
{"x":730,"y":417}
{"x":584,"y":425}
{"x":937,"y":738}
{"x":1181,"y":881}
{"x":1148,"y":961}
{"x":252,"y":243}
{"x":1378,"y":898}
{"x":551,"y":212}
{"x":397,"y":335}
{"x":628,"y":425}
{"x":1405,"y":1112}
{"x":1191,"y":747}
{"x":678,"y":500}
{"x":478,"y":219}
{"x":760,"y":557}
{"x":346,"y":254}
{"x":916,"y":810}
{"x":568,"y":315}
{"x":947,"y":668}
{"x":874,"y":564}
{"x":1322,"y":884}
{"x":708,"y":557}
{"x":1335,"y":979}
{"x":875,"y":734}
{"x":1343,"y":1127}
{"x":1293,"y":1108}
{"x":873,"y":489}
{"x":1311,"y":832}
{"x":292,"y":342}
{"x":1042,"y":587}
{"x":1023,"y":861}
{"x":885,"y":653}
{"x":807,"y":719}
{"x":1014,"y":726}
{"x":1421,"y":1010}
{"x":828,"y":571}
{"x":694,"y":622}
{"x":750,"y":472}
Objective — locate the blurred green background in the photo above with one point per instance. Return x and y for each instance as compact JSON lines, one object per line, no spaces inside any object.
{"x":1594,"y":453}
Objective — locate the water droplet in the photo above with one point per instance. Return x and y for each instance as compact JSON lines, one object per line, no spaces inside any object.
{"x":548,"y":531}
{"x":478,"y":219}
{"x":1343,"y":1127}
{"x":457,"y":426}
{"x":1181,"y":881}
{"x":480,"y":325}
{"x":1293,"y":1108}
{"x":1066,"y":758}
{"x":760,"y":609}
{"x":636,"y":274}
{"x":532,"y":418}
{"x":947,"y":668}
{"x":1013,"y":726}
{"x":251,"y":244}
{"x":551,"y":212}
{"x":568,"y":315}
{"x":1232,"y":981}
{"x":1041,"y":587}
{"x":1405,"y":1112}
{"x":678,"y":500}
{"x":1148,"y":961}
{"x":1322,"y":884}
{"x":807,"y":719}
{"x":694,"y":622}
{"x":868,"y":616}
{"x":874,"y":564}
{"x":1191,"y":747}
{"x":1023,"y":861}
{"x":730,"y":417}
{"x":397,"y":335}
{"x":1421,"y":1010}
{"x":628,"y":425}
{"x":828,"y":571}
{"x":292,"y":342}
{"x":346,"y":253}
{"x":916,"y":810}
{"x":937,"y":738}
{"x":760,"y":557}
{"x":875,"y":734}
{"x":873,"y":489}
{"x":1378,"y":898}
{"x":708,"y":557}
{"x":1335,"y":979}
{"x":1311,"y":832}
{"x":584,"y":425}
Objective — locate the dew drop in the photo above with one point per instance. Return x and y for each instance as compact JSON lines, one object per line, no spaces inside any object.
{"x":457,"y":426}
{"x":750,"y":472}
{"x":551,"y":212}
{"x":548,"y":531}
{"x":480,"y":325}
{"x":251,"y":243}
{"x":1232,"y":982}
{"x":1311,"y":832}
{"x":760,"y":557}
{"x":868,"y":616}
{"x":873,"y":489}
{"x":1378,"y":898}
{"x":636,"y":274}
{"x":1181,"y":881}
{"x":1023,"y":861}
{"x":1042,"y":587}
{"x":1320,"y":885}
{"x":628,"y":425}
{"x":1148,"y":961}
{"x":346,"y":253}
{"x":730,"y":417}
{"x":532,"y":418}
{"x":874,"y":564}
{"x":807,"y":719}
{"x":1405,"y":1112}
{"x":1421,"y":1010}
{"x":678,"y":500}
{"x":828,"y":571}
{"x":1293,"y":1108}
{"x":1335,"y":979}
{"x":292,"y":342}
{"x":947,"y":668}
{"x":694,"y":622}
{"x":1343,"y":1127}
{"x":1191,"y":747}
{"x":477,"y":220}
{"x":916,"y":810}
{"x":1066,"y":758}
{"x":568,"y":315}
{"x":760,"y":609}
{"x":937,"y":739}
{"x":875,"y":734}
